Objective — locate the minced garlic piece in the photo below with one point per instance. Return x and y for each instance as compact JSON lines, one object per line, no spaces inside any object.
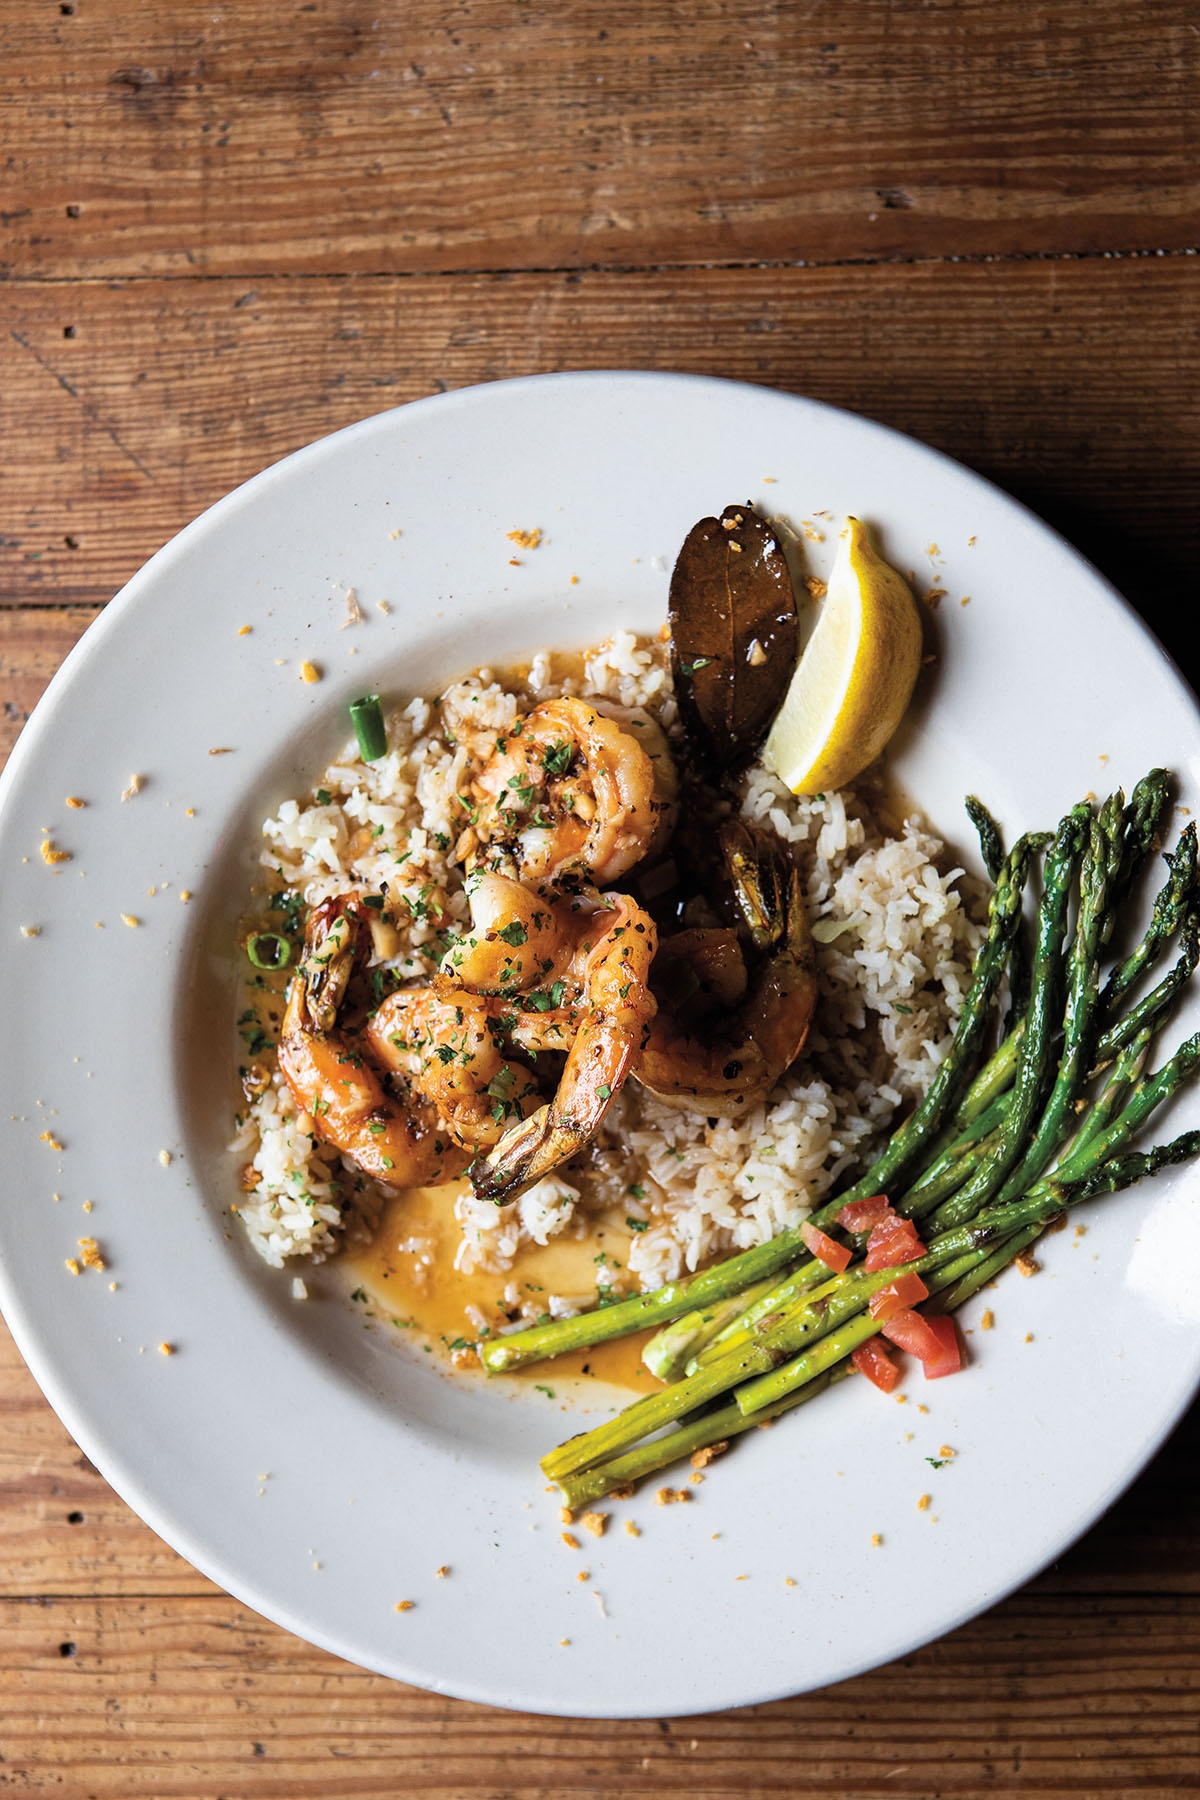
{"x":401,"y":1605}
{"x":570,"y":1540}
{"x":31,"y":931}
{"x":90,"y":1255}
{"x":923,"y":1503}
{"x":309,"y":672}
{"x":988,"y":1320}
{"x":48,"y":1137}
{"x":595,"y":1522}
{"x":528,"y":540}
{"x":166,"y":1349}
{"x":136,"y":783}
{"x":51,"y":855}
{"x":74,"y":802}
{"x":130,"y":919}
{"x":632,"y":1530}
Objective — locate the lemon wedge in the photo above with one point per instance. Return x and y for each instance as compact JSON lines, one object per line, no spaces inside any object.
{"x":855,"y":676}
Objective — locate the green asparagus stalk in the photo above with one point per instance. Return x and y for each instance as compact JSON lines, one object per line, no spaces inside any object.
{"x":670,"y":1351}
{"x":1171,"y":903}
{"x":1156,"y":1002}
{"x":1142,"y":827}
{"x":1101,"y":867}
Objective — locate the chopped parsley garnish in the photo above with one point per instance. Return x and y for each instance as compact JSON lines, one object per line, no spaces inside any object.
{"x":557,"y":759}
{"x":545,"y":999}
{"x":514,"y":934}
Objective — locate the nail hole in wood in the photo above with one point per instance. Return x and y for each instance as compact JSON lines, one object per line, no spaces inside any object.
{"x":72,"y":212}
{"x":66,"y":1650}
{"x":68,"y":331}
{"x":74,"y":1518}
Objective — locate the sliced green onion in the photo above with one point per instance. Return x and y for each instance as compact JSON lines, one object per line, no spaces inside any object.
{"x":366,"y":716}
{"x":267,"y":950}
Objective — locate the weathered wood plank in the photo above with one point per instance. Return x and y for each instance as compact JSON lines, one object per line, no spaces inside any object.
{"x":196,"y":1698}
{"x":153,"y":138}
{"x":1069,"y":382}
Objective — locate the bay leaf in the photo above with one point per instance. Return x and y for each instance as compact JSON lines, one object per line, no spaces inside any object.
{"x":734,"y":633}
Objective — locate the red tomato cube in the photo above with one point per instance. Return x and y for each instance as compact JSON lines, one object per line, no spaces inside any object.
{"x":892,"y":1241}
{"x":873,"y":1361}
{"x":909,"y":1331}
{"x":948,"y":1359}
{"x":861,"y":1215}
{"x":827,"y":1250}
{"x":905,"y":1291}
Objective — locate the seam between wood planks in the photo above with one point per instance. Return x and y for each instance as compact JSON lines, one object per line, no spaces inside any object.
{"x":733,"y":264}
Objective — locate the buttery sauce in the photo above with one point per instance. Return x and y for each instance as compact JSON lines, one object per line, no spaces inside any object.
{"x":409,"y":1279}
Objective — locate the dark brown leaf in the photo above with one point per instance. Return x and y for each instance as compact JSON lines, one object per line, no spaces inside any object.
{"x":733,"y":632}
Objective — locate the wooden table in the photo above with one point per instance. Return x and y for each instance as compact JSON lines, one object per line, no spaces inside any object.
{"x":226,"y":232}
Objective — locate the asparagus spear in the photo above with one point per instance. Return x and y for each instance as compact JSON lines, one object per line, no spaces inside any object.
{"x":790,"y":1349}
{"x":1170,"y":906}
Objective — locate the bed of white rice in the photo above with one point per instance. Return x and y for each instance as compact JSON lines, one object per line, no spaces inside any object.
{"x":899,"y":924}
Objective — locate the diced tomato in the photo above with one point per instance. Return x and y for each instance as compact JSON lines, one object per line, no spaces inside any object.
{"x":948,"y":1359}
{"x":909,"y":1331}
{"x":905,"y":1291}
{"x":892,"y":1241}
{"x":861,"y":1215}
{"x":873,"y":1361}
{"x":827,"y":1250}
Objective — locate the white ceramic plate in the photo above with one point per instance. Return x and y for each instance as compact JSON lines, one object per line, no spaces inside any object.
{"x":306,"y":1464}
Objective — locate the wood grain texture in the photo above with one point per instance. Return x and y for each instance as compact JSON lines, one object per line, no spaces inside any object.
{"x":153,"y":138}
{"x":1070,"y":382}
{"x":224,"y":232}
